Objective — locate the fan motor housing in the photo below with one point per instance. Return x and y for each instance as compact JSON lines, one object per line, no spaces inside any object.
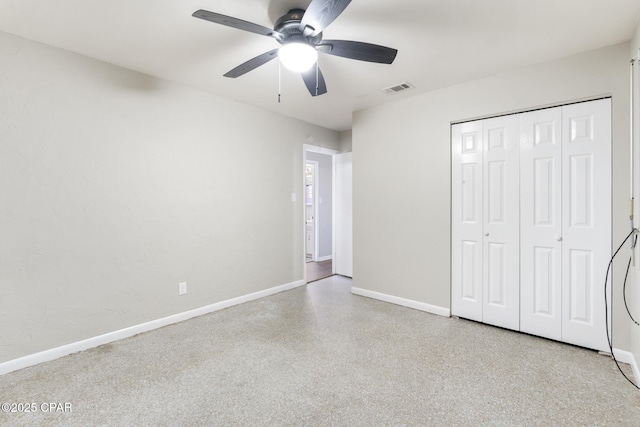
{"x":289,"y":26}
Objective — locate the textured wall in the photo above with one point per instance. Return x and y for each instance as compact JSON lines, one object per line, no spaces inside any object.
{"x":115,"y":187}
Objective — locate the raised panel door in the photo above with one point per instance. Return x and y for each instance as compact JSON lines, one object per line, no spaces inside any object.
{"x":466,"y":211}
{"x":501,"y":296}
{"x":586,"y":160}
{"x":541,"y":223}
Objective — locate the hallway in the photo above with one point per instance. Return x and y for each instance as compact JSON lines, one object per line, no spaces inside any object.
{"x":318,"y":270}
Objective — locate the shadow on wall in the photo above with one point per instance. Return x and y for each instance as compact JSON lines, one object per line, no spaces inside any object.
{"x":108,"y":76}
{"x":134,"y":81}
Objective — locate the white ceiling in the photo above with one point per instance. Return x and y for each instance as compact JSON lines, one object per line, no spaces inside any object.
{"x":440,"y":43}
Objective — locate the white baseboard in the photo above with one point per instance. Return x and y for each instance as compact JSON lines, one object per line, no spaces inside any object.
{"x":55,"y":353}
{"x":627,"y":357}
{"x":416,"y":305}
{"x":324,"y":258}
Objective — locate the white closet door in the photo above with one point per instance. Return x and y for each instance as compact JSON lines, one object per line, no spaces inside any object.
{"x":466,"y":205}
{"x":501,"y":256}
{"x":541,"y":223}
{"x":586,"y":160}
{"x":531,"y":221}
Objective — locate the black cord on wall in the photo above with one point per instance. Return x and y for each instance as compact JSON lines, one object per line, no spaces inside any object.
{"x":606,"y":305}
{"x":624,"y":284}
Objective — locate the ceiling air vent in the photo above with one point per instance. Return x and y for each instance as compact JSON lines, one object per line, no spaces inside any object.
{"x":398,"y":88}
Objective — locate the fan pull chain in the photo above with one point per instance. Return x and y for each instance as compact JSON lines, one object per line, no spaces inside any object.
{"x":279,"y":81}
{"x":317,"y":68}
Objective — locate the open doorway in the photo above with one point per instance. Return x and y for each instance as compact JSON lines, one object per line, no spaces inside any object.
{"x":318,"y":212}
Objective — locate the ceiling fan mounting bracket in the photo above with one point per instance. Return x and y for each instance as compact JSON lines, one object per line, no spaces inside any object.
{"x":289,"y":26}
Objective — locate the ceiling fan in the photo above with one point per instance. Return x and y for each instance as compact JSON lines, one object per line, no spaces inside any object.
{"x":300,"y":34}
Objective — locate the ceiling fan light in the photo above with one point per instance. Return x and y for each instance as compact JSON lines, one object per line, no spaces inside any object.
{"x":298,"y":57}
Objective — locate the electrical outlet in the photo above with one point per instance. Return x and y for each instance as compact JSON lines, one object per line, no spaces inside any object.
{"x":182,"y":288}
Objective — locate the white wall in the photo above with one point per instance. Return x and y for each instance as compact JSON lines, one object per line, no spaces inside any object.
{"x":634,"y":298}
{"x":325,"y":203}
{"x":115,"y":187}
{"x":401,"y":169}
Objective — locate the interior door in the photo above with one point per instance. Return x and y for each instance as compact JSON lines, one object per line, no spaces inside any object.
{"x":586,"y":220}
{"x":343,"y":218}
{"x":501,"y":222}
{"x":541,"y":223}
{"x":466,"y":207}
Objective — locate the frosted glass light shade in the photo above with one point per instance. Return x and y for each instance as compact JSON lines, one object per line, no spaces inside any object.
{"x":298,"y":57}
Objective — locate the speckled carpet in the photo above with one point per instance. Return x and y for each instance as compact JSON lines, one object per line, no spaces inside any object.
{"x":320,"y":356}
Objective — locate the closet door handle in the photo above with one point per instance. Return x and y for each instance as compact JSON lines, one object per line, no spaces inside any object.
{"x":559,"y":238}
{"x":486,"y":234}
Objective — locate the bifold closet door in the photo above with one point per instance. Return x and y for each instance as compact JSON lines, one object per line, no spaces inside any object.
{"x":586,"y":221}
{"x":565,"y":229}
{"x":466,"y":211}
{"x":485,"y":256}
{"x":541,"y":223}
{"x":501,"y":257}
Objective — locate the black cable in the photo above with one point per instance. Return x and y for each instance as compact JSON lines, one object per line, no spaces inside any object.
{"x":606,"y":305}
{"x":624,"y":284}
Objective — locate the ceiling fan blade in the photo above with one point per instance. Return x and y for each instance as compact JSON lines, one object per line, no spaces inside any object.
{"x":235,"y":23}
{"x":320,"y":14}
{"x":309,"y":78}
{"x":252,"y":64}
{"x":358,"y":50}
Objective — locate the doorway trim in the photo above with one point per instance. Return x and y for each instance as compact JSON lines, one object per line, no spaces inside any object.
{"x":331,"y":152}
